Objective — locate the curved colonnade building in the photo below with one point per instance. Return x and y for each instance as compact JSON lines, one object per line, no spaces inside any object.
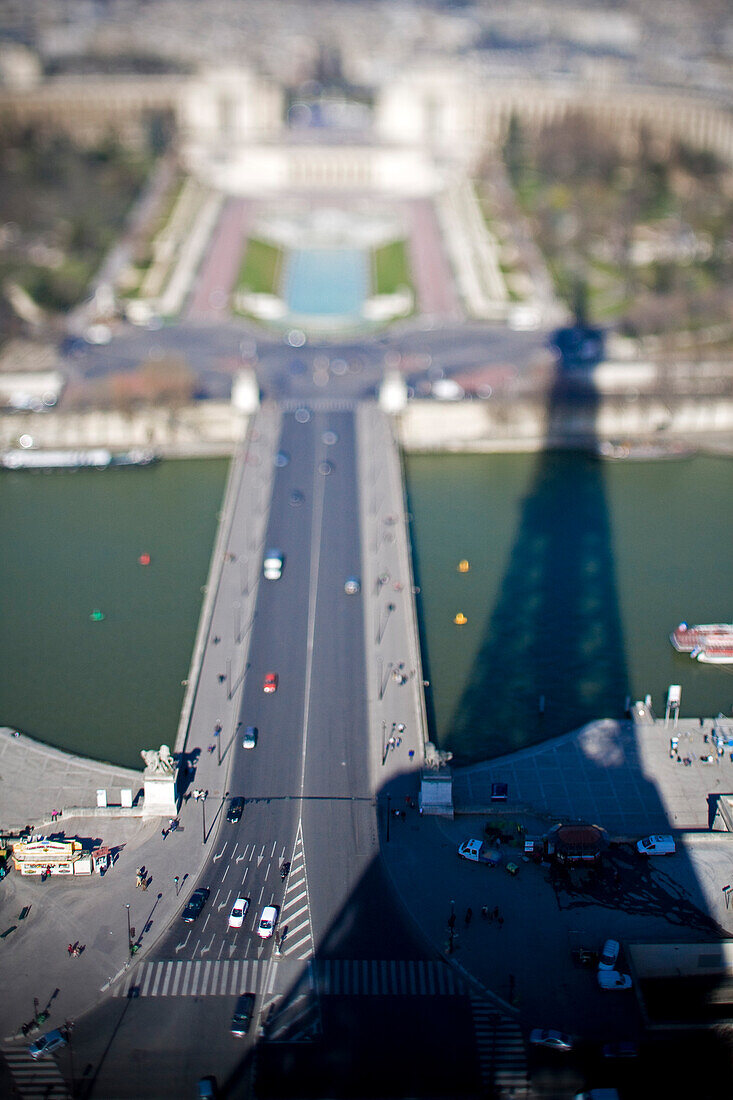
{"x":429,"y":125}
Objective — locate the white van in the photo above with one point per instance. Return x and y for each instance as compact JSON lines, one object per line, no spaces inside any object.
{"x":657,"y":846}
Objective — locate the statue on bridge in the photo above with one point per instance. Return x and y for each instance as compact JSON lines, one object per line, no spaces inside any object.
{"x":158,"y":761}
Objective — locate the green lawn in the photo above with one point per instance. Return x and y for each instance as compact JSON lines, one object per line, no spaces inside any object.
{"x":391,"y":268}
{"x":260,"y":269}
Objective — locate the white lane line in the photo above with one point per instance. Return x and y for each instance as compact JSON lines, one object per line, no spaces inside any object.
{"x":294,"y":916}
{"x":297,"y":928}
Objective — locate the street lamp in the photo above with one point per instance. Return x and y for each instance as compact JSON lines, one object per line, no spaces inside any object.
{"x":129,"y":930}
{"x":200,"y":796}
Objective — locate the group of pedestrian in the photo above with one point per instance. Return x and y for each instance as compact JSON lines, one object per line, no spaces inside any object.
{"x":141,"y":878}
{"x":74,"y":950}
{"x":487,"y":914}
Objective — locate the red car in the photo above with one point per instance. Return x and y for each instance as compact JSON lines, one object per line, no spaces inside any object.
{"x":270,"y":684}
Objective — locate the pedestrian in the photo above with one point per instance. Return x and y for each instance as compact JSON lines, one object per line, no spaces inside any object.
{"x":221,"y":677}
{"x":411,"y":753}
{"x":164,"y":833}
{"x":485,"y":912}
{"x":216,"y":639}
{"x":469,"y":914}
{"x":501,"y":921}
{"x":70,"y":949}
{"x":495,"y":913}
{"x":217,"y":727}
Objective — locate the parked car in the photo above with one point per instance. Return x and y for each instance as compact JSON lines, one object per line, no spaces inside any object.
{"x":234,"y":813}
{"x":268,"y":920}
{"x":352,"y":586}
{"x":609,"y":955}
{"x":612,"y":979}
{"x":196,"y":903}
{"x":242,"y":1017}
{"x":48,"y":1043}
{"x":249,"y":741}
{"x":238,"y":913}
{"x":548,"y":1037}
{"x":656,"y":846}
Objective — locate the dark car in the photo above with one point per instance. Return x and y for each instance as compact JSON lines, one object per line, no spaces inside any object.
{"x":196,"y":903}
{"x":234,"y":813}
{"x":242,"y":1017}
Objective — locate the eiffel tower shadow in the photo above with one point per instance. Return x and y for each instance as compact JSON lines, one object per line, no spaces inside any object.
{"x":557,"y":616}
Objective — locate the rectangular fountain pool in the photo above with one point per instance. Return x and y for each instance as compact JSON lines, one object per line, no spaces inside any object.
{"x":326,"y":282}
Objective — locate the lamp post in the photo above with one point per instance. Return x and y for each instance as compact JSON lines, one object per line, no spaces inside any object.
{"x":200,"y":796}
{"x":129,"y":930}
{"x":451,"y":926}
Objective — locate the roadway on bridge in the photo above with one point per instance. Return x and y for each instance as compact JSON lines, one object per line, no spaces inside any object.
{"x":351,"y":994}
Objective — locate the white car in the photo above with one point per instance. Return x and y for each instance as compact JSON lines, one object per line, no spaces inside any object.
{"x":548,"y":1037}
{"x":609,"y":955}
{"x":268,"y":920}
{"x":238,"y":913}
{"x":656,"y":846}
{"x":272,"y":566}
{"x":611,"y":979}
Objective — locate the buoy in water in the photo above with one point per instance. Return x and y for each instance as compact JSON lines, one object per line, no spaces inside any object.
{"x":144,"y":559}
{"x":96,"y":615}
{"x":463,"y":566}
{"x":460,"y":619}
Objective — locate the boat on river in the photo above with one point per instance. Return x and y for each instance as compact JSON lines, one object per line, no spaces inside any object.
{"x":640,"y":450}
{"x":97,"y":458}
{"x":709,"y":643}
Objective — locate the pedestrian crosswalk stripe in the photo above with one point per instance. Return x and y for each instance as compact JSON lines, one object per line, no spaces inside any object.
{"x":34,"y":1080}
{"x":501,"y":1052}
{"x":330,"y":977}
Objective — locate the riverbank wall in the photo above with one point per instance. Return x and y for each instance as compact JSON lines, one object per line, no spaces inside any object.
{"x":530,"y":424}
{"x":501,"y":423}
{"x":209,"y":429}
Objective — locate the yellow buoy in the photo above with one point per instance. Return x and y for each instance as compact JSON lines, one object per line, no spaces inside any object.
{"x":463,"y":566}
{"x":460,"y":619}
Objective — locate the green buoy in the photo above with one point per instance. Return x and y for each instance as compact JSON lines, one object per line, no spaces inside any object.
{"x":96,"y":615}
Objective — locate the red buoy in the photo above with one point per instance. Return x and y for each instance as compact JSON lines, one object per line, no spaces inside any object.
{"x":144,"y":559}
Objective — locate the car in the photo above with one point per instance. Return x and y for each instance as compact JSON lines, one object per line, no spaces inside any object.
{"x":268,"y":920}
{"x":243,"y":1012}
{"x":548,"y":1037}
{"x":296,"y":498}
{"x":238,"y":913}
{"x":624,"y":1049}
{"x":656,"y":846}
{"x":196,"y":903}
{"x":609,"y":955}
{"x":282,"y":458}
{"x":352,"y":586}
{"x":272,"y":566}
{"x":234,"y":813}
{"x":249,"y":741}
{"x":270,"y":685}
{"x":612,"y":979}
{"x":48,"y":1043}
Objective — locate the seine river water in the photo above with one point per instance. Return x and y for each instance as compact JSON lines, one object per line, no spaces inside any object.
{"x":577,"y":572}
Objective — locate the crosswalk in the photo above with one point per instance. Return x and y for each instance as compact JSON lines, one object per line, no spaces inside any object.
{"x":320,"y":404}
{"x":385,"y":977}
{"x":330,"y":977}
{"x":200,"y":978}
{"x":295,"y":934}
{"x":34,"y":1080}
{"x":501,"y":1051}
